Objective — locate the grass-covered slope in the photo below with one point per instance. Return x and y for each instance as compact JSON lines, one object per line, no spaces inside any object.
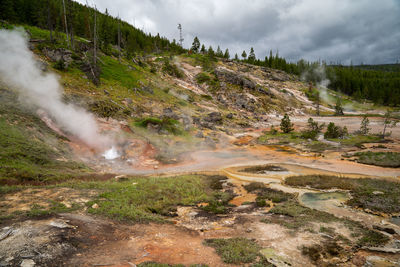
{"x":29,"y":150}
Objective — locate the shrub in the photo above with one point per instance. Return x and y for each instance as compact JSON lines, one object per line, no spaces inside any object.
{"x":168,"y":124}
{"x":313,"y":129}
{"x":272,"y":130}
{"x":59,"y":65}
{"x":286,"y":125}
{"x":172,"y":69}
{"x":202,"y":78}
{"x":334,"y":131}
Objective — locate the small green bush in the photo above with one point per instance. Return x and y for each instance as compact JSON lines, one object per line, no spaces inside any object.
{"x":59,"y":65}
{"x":168,"y":124}
{"x":202,"y":77}
{"x":313,"y":129}
{"x":334,"y":131}
{"x":171,"y":69}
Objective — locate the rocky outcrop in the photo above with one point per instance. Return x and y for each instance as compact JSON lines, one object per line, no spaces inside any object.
{"x":214,"y":117}
{"x":169,"y":113}
{"x":234,"y":78}
{"x":59,"y":54}
{"x":244,"y":102}
{"x":276,"y":75}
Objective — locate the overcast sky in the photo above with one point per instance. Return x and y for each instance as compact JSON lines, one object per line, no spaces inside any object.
{"x":365,"y":31}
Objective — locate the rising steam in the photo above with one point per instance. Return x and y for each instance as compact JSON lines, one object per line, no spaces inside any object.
{"x":318,"y":73}
{"x":19,"y":70}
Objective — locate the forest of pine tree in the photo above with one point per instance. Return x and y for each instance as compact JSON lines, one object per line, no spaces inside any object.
{"x":49,"y":14}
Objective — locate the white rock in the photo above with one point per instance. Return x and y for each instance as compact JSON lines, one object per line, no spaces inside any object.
{"x":27,"y":263}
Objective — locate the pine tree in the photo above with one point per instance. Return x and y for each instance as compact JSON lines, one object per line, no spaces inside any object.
{"x":270,"y":59}
{"x":211,"y":52}
{"x":226,"y":54}
{"x":388,"y":122}
{"x":252,"y":55}
{"x":364,"y":130}
{"x":338,"y":107}
{"x":244,"y":55}
{"x":236,"y":57}
{"x":203,"y":49}
{"x":286,"y":125}
{"x":195,"y":45}
{"x":219,"y":52}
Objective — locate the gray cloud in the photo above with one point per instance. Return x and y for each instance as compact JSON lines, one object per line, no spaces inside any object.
{"x":333,"y":30}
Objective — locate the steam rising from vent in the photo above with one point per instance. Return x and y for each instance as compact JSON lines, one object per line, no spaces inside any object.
{"x":112,"y":153}
{"x":19,"y":70}
{"x":318,"y":73}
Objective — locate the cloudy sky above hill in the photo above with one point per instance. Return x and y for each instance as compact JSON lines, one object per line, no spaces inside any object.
{"x":362,"y":31}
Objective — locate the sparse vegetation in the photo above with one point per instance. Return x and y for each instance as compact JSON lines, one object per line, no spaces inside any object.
{"x":357,"y":140}
{"x":149,"y":199}
{"x":386,"y":200}
{"x":264,"y":168}
{"x":383,"y":159}
{"x":235,"y":250}
{"x":172,"y":69}
{"x":296,"y":216}
{"x":202,"y":77}
{"x":156,"y":264}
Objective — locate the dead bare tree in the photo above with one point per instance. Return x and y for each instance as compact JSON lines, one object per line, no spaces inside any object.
{"x":65,"y":21}
{"x":71,"y":24}
{"x":119,"y":39}
{"x":88,"y":20}
{"x":317,"y":102}
{"x":95,"y":38}
{"x":49,"y":24}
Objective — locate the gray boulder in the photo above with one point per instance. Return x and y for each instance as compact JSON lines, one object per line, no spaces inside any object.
{"x":234,"y":78}
{"x":214,"y":117}
{"x":59,"y":54}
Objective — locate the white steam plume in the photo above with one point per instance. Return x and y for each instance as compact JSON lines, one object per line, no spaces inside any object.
{"x":18,"y":69}
{"x":319,"y":73}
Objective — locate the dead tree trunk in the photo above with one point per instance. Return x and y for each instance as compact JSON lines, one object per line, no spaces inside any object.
{"x":88,"y":21}
{"x":71,"y":24}
{"x":95,"y":38}
{"x":49,"y":24}
{"x":119,"y":40}
{"x":65,"y":21}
